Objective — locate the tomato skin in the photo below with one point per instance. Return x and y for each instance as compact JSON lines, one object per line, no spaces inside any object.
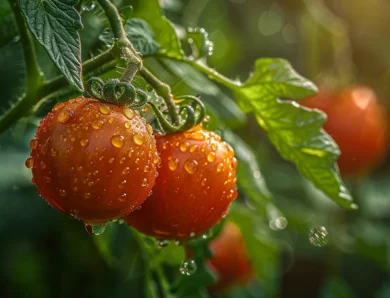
{"x":194,"y":189}
{"x":358,"y":124}
{"x":230,"y":261}
{"x":81,"y":161}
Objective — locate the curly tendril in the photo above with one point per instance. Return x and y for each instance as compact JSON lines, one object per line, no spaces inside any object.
{"x":116,"y":92}
{"x":187,"y":107}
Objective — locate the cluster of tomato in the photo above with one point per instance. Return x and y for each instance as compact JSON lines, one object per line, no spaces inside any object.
{"x":98,"y":162}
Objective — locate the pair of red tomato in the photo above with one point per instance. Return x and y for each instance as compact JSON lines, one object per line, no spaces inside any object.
{"x":358,"y":124}
{"x":98,"y":162}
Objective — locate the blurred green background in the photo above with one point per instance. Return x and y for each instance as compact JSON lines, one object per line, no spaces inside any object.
{"x":335,"y":43}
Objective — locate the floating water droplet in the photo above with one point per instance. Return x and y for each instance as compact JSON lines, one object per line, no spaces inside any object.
{"x":29,"y":163}
{"x":129,"y":113}
{"x":173,"y":164}
{"x":104,"y":109}
{"x":138,"y":139}
{"x":191,"y":166}
{"x":318,"y":236}
{"x":117,"y":141}
{"x":188,"y":267}
{"x":64,"y":116}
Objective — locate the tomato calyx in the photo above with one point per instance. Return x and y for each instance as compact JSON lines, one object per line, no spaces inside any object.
{"x":191,"y":110}
{"x":116,"y":92}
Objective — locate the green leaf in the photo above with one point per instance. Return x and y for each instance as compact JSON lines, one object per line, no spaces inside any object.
{"x":54,"y":24}
{"x":163,"y":29}
{"x":140,"y":35}
{"x":295,"y":131}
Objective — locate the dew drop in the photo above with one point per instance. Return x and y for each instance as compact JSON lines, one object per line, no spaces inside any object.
{"x":173,"y":164}
{"x":62,"y":192}
{"x":122,"y":197}
{"x":122,"y":161}
{"x":131,"y":151}
{"x":149,"y":129}
{"x":122,"y":184}
{"x":144,"y":182}
{"x":162,"y":243}
{"x":98,"y":124}
{"x":193,"y":148}
{"x":214,"y":146}
{"x":64,"y":116}
{"x":211,"y":156}
{"x":58,"y":106}
{"x":105,"y":109}
{"x":184,"y":146}
{"x":188,"y":267}
{"x":111,"y":160}
{"x":84,"y":142}
{"x":53,"y":152}
{"x":29,"y":163}
{"x":47,"y":179}
{"x":126,"y":171}
{"x":129,"y":113}
{"x":206,"y":118}
{"x":111,"y":120}
{"x":127,"y":124}
{"x":191,"y":166}
{"x":138,"y":139}
{"x":87,"y":195}
{"x":33,"y":144}
{"x":43,"y":165}
{"x":146,"y":169}
{"x":220,"y":167}
{"x":318,"y":236}
{"x":95,"y":230}
{"x":117,"y":141}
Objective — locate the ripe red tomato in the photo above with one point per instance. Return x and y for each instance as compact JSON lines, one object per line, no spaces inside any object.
{"x":194,"y":189}
{"x":92,"y":160}
{"x":358,"y":124}
{"x":230,"y":261}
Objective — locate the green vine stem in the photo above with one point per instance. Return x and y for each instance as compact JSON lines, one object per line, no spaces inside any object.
{"x":116,"y":24}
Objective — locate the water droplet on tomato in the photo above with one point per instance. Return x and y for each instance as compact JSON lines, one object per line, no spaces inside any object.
{"x":62,"y":192}
{"x":211,"y":156}
{"x":33,"y":144}
{"x":129,"y":113}
{"x":127,"y":124}
{"x":64,"y":116}
{"x":111,"y":120}
{"x":87,"y":195}
{"x":126,"y":171}
{"x":43,"y":165}
{"x":111,"y":160}
{"x":122,"y":161}
{"x":47,"y":179}
{"x":138,"y":139}
{"x":29,"y":163}
{"x":122,"y":184}
{"x":193,"y":148}
{"x":220,"y":167}
{"x":191,"y":166}
{"x":58,"y":106}
{"x":184,"y":146}
{"x":144,"y":183}
{"x":149,"y":129}
{"x":122,"y":197}
{"x":84,"y":142}
{"x":98,"y":124}
{"x":104,"y":109}
{"x":117,"y":141}
{"x":173,"y":164}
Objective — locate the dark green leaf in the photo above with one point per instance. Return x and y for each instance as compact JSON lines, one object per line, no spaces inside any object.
{"x":140,"y":35}
{"x":165,"y":34}
{"x":295,"y":131}
{"x":335,"y":287}
{"x":54,"y":24}
{"x":126,"y":13}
